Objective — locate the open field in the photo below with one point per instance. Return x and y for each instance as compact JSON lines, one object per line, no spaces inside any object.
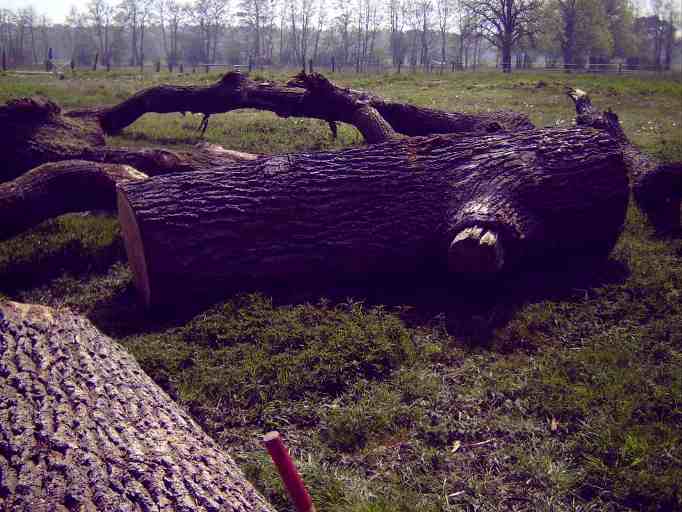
{"x":551,"y":391}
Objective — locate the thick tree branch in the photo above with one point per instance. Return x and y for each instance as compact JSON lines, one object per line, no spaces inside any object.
{"x":306,"y":96}
{"x":38,"y":133}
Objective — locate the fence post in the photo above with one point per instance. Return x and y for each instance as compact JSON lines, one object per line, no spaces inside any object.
{"x":333,"y":64}
{"x":108,"y":65}
{"x":142,"y":63}
{"x":310,"y":65}
{"x":94,"y":65}
{"x":206,"y":68}
{"x":158,"y":66}
{"x":4,"y":60}
{"x":250,"y":64}
{"x":182,"y":68}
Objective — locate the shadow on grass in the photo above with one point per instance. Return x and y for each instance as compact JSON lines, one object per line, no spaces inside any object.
{"x":79,"y":261}
{"x":469,"y":311}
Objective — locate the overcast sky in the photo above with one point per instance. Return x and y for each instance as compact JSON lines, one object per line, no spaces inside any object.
{"x":57,"y":10}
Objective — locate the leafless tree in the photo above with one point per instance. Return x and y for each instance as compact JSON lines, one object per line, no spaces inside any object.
{"x":100,"y":14}
{"x":505,"y":22}
{"x":396,"y":26}
{"x":210,"y":17}
{"x":444,"y":13}
{"x":424,"y":15}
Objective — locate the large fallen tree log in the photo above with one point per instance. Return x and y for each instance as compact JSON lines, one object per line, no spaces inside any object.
{"x":82,"y":427}
{"x":306,"y":96}
{"x":477,"y":206}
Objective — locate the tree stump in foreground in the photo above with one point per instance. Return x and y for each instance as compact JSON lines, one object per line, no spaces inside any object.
{"x":474,"y":206}
{"x":82,"y":427}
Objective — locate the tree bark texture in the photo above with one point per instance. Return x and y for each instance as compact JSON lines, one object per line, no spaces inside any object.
{"x":307,"y":96}
{"x":82,"y":427}
{"x":34,"y":132}
{"x":57,"y":188}
{"x":474,"y":205}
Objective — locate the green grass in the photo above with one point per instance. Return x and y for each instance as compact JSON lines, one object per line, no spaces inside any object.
{"x":554,"y":391}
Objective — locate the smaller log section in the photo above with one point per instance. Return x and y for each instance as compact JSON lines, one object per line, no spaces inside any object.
{"x":53,"y":189}
{"x":82,"y":427}
{"x":473,"y":206}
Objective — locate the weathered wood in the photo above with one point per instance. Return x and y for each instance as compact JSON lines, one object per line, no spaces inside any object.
{"x":307,"y":96}
{"x":397,"y":207}
{"x":82,"y":427}
{"x":57,"y":188}
{"x":34,"y":132}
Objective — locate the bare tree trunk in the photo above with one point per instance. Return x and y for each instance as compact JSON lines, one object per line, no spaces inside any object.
{"x":82,"y":427}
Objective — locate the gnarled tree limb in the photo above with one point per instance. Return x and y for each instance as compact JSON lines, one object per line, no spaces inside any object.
{"x":306,"y":96}
{"x":657,"y":187}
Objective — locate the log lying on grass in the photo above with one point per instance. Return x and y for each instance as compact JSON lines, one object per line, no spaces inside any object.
{"x":57,"y":188}
{"x":82,"y":427}
{"x":477,"y":206}
{"x":306,"y":96}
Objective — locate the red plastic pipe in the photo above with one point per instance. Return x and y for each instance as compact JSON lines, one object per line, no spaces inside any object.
{"x":288,"y":472}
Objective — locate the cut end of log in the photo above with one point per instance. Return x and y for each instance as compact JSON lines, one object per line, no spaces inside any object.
{"x":476,"y":251}
{"x":134,"y":248}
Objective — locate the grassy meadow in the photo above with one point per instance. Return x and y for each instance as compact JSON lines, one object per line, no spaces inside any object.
{"x":549,"y":391}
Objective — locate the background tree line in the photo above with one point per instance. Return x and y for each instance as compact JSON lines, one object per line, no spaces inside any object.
{"x":351,"y":34}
